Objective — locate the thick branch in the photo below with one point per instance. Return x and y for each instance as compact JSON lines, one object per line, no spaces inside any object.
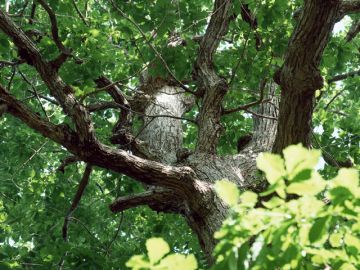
{"x":299,"y":77}
{"x":160,"y":200}
{"x":62,"y":92}
{"x":348,"y":7}
{"x":211,"y":86}
{"x":148,"y":172}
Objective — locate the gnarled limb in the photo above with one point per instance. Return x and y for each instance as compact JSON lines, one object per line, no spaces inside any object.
{"x":62,"y":92}
{"x":211,"y":86}
{"x":96,"y":153}
{"x":299,"y":77}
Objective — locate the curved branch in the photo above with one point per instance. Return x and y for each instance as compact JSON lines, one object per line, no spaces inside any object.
{"x":96,"y":153}
{"x":62,"y":92}
{"x":82,"y":185}
{"x":210,"y":85}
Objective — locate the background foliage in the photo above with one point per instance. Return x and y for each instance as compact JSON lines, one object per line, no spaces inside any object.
{"x":34,"y":197}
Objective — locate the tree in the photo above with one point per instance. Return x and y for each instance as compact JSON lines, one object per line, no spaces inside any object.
{"x":179,"y":79}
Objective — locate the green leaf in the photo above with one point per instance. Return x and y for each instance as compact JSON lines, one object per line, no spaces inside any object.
{"x":273,"y":202}
{"x":348,"y":178}
{"x":248,"y":198}
{"x":298,"y":158}
{"x":309,"y":187}
{"x":156,"y":248}
{"x":227,"y":191}
{"x":335,"y":240}
{"x":272,"y":165}
{"x":318,"y":229}
{"x":137,"y":262}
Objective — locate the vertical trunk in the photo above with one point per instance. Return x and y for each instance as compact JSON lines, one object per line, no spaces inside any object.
{"x":162,"y":129}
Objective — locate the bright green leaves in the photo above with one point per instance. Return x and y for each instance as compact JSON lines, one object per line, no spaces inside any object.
{"x":297,"y":158}
{"x":272,"y":165}
{"x":302,"y":232}
{"x":227,"y":191}
{"x":296,"y":170}
{"x":157,"y":248}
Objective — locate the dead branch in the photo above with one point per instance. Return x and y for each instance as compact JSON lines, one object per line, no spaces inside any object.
{"x":82,"y":185}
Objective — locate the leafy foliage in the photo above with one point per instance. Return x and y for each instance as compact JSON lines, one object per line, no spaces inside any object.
{"x":308,"y":222}
{"x":34,"y":197}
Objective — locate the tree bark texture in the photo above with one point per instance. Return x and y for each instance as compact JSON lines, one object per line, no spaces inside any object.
{"x":182,"y":181}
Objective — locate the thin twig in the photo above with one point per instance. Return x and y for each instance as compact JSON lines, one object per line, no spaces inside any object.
{"x":83,"y":183}
{"x":335,"y":97}
{"x":116,"y":234}
{"x":246,"y":106}
{"x":152,"y":47}
{"x":36,"y":94}
{"x":79,"y":13}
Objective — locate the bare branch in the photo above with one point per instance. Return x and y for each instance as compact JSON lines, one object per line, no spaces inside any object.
{"x":67,"y":161}
{"x":156,"y":199}
{"x":251,"y":104}
{"x":348,"y":7}
{"x":211,"y":86}
{"x":82,"y":185}
{"x":354,"y":30}
{"x":344,"y":76}
{"x":148,"y":172}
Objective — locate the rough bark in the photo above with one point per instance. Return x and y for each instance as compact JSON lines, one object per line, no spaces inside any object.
{"x":299,"y":77}
{"x":183,"y":183}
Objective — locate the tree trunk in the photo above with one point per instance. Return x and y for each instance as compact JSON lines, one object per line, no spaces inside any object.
{"x":202,"y":209}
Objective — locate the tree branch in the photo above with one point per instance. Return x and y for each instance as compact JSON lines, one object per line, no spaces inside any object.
{"x":67,"y":161}
{"x":250,"y":18}
{"x":344,"y":76}
{"x":160,"y":200}
{"x":82,"y":185}
{"x":54,"y":27}
{"x":254,"y":103}
{"x":354,"y":30}
{"x":146,"y":171}
{"x":299,"y":77}
{"x":62,"y":92}
{"x":348,"y":7}
{"x":211,"y":86}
